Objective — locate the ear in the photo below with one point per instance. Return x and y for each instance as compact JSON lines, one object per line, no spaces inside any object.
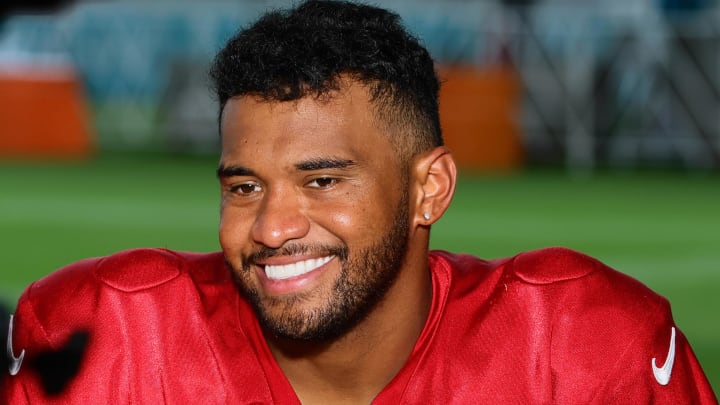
{"x":435,"y":175}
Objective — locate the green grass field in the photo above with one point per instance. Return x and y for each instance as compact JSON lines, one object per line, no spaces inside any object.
{"x":662,"y":228}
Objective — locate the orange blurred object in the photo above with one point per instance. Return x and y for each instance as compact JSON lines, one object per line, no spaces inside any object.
{"x":479,"y":113}
{"x":43,"y":114}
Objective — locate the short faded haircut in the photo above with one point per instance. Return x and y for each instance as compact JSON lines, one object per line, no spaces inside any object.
{"x":310,"y":49}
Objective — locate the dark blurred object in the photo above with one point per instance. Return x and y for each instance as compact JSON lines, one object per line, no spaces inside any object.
{"x":8,"y":7}
{"x":58,"y":367}
{"x":188,"y":114}
{"x":519,"y":3}
{"x":684,"y":5}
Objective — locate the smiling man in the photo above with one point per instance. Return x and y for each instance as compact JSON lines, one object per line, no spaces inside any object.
{"x":332,"y":172}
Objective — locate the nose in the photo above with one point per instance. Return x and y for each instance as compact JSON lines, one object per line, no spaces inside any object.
{"x":280,"y":219}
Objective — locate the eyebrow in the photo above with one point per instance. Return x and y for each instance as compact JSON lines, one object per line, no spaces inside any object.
{"x":308,"y":165}
{"x":324,"y":163}
{"x":229,"y":171}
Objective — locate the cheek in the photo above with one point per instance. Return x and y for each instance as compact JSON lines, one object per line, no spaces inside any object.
{"x":342,"y":219}
{"x":350,"y":212}
{"x":233,"y":229}
{"x":357,"y":222}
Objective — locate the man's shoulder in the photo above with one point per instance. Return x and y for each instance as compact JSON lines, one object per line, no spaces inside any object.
{"x":142,"y":269}
{"x":542,"y":266}
{"x":552,"y":265}
{"x":558,"y":324}
{"x":569,"y":272}
{"x":124,"y":272}
{"x":131,"y":270}
{"x":556,"y":272}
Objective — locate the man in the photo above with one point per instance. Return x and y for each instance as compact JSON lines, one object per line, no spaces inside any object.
{"x":332,"y":172}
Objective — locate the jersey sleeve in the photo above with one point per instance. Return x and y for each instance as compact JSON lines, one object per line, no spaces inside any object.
{"x":614,"y":340}
{"x":670,"y":375}
{"x":72,"y":327}
{"x":44,"y":357}
{"x":133,"y":327}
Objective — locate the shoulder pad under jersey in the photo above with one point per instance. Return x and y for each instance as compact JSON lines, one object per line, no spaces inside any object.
{"x":138,"y":269}
{"x":546,"y":266}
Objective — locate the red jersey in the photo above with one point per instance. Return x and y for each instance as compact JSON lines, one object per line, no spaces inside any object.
{"x":549,"y":326}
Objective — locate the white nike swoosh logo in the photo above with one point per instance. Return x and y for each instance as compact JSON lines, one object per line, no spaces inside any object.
{"x":662,"y":374}
{"x":14,"y":362}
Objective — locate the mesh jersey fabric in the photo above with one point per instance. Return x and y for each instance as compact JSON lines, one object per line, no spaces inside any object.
{"x":547,"y":326}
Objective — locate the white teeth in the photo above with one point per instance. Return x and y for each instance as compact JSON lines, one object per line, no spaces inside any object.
{"x":295,"y":269}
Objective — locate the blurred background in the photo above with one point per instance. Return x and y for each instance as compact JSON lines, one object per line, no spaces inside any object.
{"x":588,"y":124}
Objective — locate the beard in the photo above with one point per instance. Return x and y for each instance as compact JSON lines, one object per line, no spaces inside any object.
{"x":365,"y":277}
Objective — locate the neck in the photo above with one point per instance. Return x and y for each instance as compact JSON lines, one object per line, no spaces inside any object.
{"x":357,"y":366}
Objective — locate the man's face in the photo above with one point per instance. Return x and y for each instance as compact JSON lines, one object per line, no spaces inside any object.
{"x":314,"y":219}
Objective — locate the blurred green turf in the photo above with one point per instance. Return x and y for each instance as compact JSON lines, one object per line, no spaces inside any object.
{"x":662,"y":228}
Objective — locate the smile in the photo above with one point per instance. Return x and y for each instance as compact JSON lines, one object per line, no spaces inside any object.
{"x":282,"y":272}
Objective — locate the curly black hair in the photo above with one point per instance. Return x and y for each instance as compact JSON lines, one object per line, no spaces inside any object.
{"x":308,"y":50}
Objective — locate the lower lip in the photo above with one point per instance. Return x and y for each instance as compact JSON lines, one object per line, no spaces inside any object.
{"x":292,"y":285}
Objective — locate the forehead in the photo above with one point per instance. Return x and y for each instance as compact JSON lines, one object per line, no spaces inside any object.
{"x":342,"y":125}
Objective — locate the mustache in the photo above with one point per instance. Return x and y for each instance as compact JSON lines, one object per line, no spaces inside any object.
{"x":264,"y":252}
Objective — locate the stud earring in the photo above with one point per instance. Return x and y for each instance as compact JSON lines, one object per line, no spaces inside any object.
{"x":426,"y":216}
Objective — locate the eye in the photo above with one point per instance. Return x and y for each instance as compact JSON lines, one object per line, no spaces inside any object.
{"x":245,"y":188}
{"x":323,"y":182}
